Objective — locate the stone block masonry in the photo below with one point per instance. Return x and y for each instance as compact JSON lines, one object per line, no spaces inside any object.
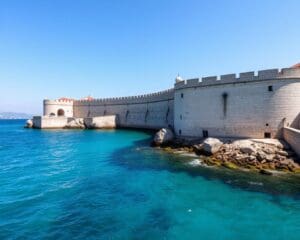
{"x":52,"y":122}
{"x":248,"y":106}
{"x":104,"y":122}
{"x":292,"y":137}
{"x":245,"y":105}
{"x":151,"y":111}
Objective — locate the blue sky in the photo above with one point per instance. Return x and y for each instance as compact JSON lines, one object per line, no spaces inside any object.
{"x":50,"y":49}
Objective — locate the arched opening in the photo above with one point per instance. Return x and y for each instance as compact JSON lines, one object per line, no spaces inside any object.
{"x":52,"y":115}
{"x":60,"y":112}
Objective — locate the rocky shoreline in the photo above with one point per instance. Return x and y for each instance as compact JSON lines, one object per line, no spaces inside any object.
{"x":259,"y":155}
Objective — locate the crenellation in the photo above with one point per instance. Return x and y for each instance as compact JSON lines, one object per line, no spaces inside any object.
{"x":242,"y":77}
{"x":289,"y":72}
{"x":253,"y":101}
{"x":163,"y":95}
{"x":247,"y":76}
{"x":228,"y":78}
{"x":209,"y":80}
{"x":180,"y":84}
{"x":268,"y":74}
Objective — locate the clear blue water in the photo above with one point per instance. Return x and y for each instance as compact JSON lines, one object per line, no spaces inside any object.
{"x":76,"y":184}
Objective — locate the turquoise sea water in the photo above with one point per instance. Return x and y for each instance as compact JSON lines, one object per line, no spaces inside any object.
{"x":76,"y":184}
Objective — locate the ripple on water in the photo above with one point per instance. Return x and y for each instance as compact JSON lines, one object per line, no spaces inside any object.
{"x":111,"y":185}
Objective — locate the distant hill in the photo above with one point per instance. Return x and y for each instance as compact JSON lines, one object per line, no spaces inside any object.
{"x":14,"y":115}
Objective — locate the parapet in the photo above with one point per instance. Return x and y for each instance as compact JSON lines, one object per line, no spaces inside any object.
{"x":268,"y":74}
{"x":146,"y":98}
{"x":62,"y":102}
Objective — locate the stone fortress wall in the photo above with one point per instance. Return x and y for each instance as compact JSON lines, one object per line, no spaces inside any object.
{"x":150,"y":111}
{"x":59,"y":107}
{"x":248,"y":105}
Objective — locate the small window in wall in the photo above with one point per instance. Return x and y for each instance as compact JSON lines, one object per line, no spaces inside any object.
{"x":267,"y":124}
{"x":181,"y":95}
{"x":267,"y":135}
{"x":205,"y":133}
{"x":179,"y":131}
{"x":270,"y":88}
{"x":180,"y":117}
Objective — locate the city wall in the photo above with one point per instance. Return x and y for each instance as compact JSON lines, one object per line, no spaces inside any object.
{"x":49,"y":122}
{"x":152,"y":111}
{"x":249,"y":105}
{"x":292,"y":137}
{"x":58,"y":107}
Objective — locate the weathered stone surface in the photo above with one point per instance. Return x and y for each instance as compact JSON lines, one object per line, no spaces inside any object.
{"x":282,"y":153}
{"x":101,"y":122}
{"x":76,"y":123}
{"x":247,"y":154}
{"x":212,"y":145}
{"x":29,"y":123}
{"x":245,"y":146}
{"x":198,"y":148}
{"x":270,"y":157}
{"x":163,"y":136}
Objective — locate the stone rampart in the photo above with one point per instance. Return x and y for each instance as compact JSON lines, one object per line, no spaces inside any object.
{"x":103,"y":122}
{"x":250,"y":105}
{"x":146,"y":98}
{"x":151,"y":111}
{"x":43,"y":122}
{"x":292,"y":137}
{"x":268,"y":74}
{"x":58,"y":108}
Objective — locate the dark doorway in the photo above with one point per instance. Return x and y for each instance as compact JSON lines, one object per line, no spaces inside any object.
{"x":60,"y":112}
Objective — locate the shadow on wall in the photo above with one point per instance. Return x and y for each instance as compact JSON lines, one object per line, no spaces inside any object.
{"x":296,"y":122}
{"x":281,"y":125}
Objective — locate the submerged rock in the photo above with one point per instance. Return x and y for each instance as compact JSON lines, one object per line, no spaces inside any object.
{"x":230,"y":165}
{"x":265,"y":172}
{"x":196,"y":162}
{"x":211,"y":145}
{"x":163,"y":136}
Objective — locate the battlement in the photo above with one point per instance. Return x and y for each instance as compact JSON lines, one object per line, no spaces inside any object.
{"x":152,"y":97}
{"x":67,"y":102}
{"x":268,"y":74}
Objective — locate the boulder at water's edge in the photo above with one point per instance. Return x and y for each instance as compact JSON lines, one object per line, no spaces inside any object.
{"x":163,"y":136}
